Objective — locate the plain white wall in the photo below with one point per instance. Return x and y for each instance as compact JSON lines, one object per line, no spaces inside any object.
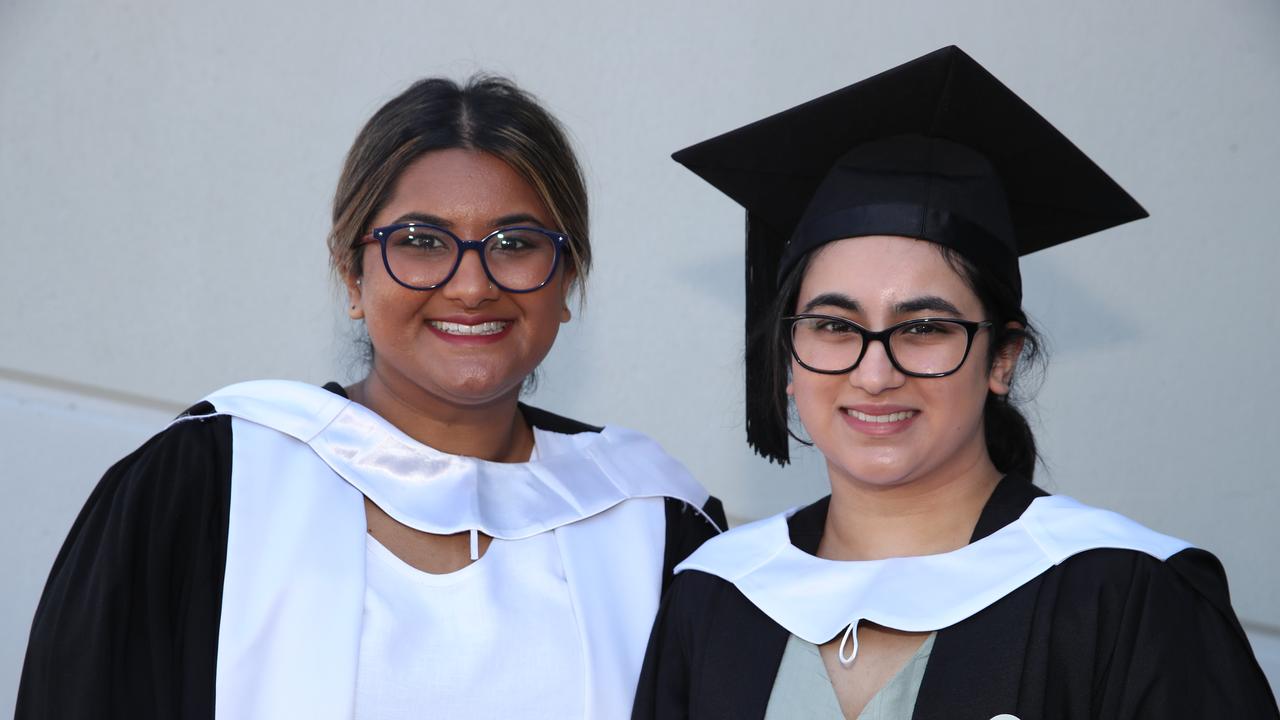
{"x":166,"y":170}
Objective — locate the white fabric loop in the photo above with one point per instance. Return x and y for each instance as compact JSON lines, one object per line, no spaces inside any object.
{"x":849,"y":632}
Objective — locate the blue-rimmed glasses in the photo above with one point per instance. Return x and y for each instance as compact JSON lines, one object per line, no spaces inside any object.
{"x":425,"y":257}
{"x":922,"y":347}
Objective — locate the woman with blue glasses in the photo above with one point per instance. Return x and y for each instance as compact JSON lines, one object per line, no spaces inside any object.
{"x":935,"y":582}
{"x":419,"y":543}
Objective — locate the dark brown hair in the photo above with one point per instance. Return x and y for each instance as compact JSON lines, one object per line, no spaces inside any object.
{"x":489,"y":114}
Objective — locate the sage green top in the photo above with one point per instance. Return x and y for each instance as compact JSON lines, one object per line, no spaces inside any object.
{"x":802,"y":688}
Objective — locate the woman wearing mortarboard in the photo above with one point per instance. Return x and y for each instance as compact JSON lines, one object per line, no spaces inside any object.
{"x":419,"y":544}
{"x":885,"y":221}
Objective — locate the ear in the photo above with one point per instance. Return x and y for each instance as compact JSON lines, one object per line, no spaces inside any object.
{"x":1000,"y":379}
{"x":566,"y":289}
{"x":355,"y":296}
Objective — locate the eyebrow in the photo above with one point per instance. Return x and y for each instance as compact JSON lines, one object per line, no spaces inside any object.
{"x":839,"y":300}
{"x":518,"y":219}
{"x":926,"y":302}
{"x":917,"y":304}
{"x":426,"y":218}
{"x":504,"y":221}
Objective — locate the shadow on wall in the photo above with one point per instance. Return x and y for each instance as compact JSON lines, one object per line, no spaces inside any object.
{"x":1072,"y":317}
{"x":716,"y":278}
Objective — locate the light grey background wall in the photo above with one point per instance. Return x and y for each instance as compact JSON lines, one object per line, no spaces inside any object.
{"x":166,"y":167}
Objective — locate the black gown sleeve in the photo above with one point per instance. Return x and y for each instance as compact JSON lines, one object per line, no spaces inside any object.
{"x":664,"y":691}
{"x":1179,"y":651}
{"x":687,"y":529}
{"x":712,"y":655}
{"x":127,"y":624}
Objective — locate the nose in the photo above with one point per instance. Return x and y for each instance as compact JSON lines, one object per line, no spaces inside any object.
{"x":470,"y":285}
{"x":875,"y":373}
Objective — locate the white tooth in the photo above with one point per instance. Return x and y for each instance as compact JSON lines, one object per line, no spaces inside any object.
{"x":485,"y":328}
{"x":890,"y":418}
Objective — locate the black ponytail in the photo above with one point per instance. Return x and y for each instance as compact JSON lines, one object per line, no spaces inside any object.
{"x":1010,"y":442}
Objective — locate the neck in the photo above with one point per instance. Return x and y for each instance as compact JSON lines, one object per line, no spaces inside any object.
{"x":923,"y":516}
{"x":494,"y":431}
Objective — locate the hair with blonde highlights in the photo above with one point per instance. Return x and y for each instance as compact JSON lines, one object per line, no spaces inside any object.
{"x":488,"y":114}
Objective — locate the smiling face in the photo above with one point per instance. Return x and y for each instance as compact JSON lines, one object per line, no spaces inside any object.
{"x":874,"y":424}
{"x":466,"y":343}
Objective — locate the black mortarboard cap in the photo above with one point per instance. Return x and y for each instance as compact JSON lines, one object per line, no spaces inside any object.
{"x":936,"y":149}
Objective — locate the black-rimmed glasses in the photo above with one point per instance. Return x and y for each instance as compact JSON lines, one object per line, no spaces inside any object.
{"x":425,"y":257}
{"x":922,"y":347}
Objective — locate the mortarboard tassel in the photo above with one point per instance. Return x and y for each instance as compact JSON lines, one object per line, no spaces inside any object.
{"x":766,"y":426}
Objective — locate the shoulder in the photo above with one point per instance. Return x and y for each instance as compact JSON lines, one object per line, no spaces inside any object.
{"x":200,"y":433}
{"x":181,"y":471}
{"x":638,"y":463}
{"x":194,"y":443}
{"x":163,"y":500}
{"x":707,"y":520}
{"x":695,"y":596}
{"x":694,"y":588}
{"x":1103,"y":552}
{"x":1110,"y":575}
{"x":707,"y":610}
{"x":1149,"y":625}
{"x":1125,"y":598}
{"x":687,"y":528}
{"x":551,"y":422}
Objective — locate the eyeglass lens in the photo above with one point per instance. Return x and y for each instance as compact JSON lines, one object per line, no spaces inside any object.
{"x":927,"y":348}
{"x":518,"y":258}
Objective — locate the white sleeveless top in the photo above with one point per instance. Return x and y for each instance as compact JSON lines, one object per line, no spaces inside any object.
{"x":432,"y":644}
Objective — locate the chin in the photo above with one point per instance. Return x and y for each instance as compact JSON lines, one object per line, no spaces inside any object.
{"x":481,"y":390}
{"x":881,"y":469}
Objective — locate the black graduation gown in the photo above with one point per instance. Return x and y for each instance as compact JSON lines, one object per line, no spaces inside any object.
{"x":127,"y":626}
{"x":1111,"y":634}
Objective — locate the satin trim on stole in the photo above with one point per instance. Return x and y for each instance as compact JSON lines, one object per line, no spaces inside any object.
{"x":294,"y":585}
{"x":815,"y":599}
{"x":436,"y":492}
